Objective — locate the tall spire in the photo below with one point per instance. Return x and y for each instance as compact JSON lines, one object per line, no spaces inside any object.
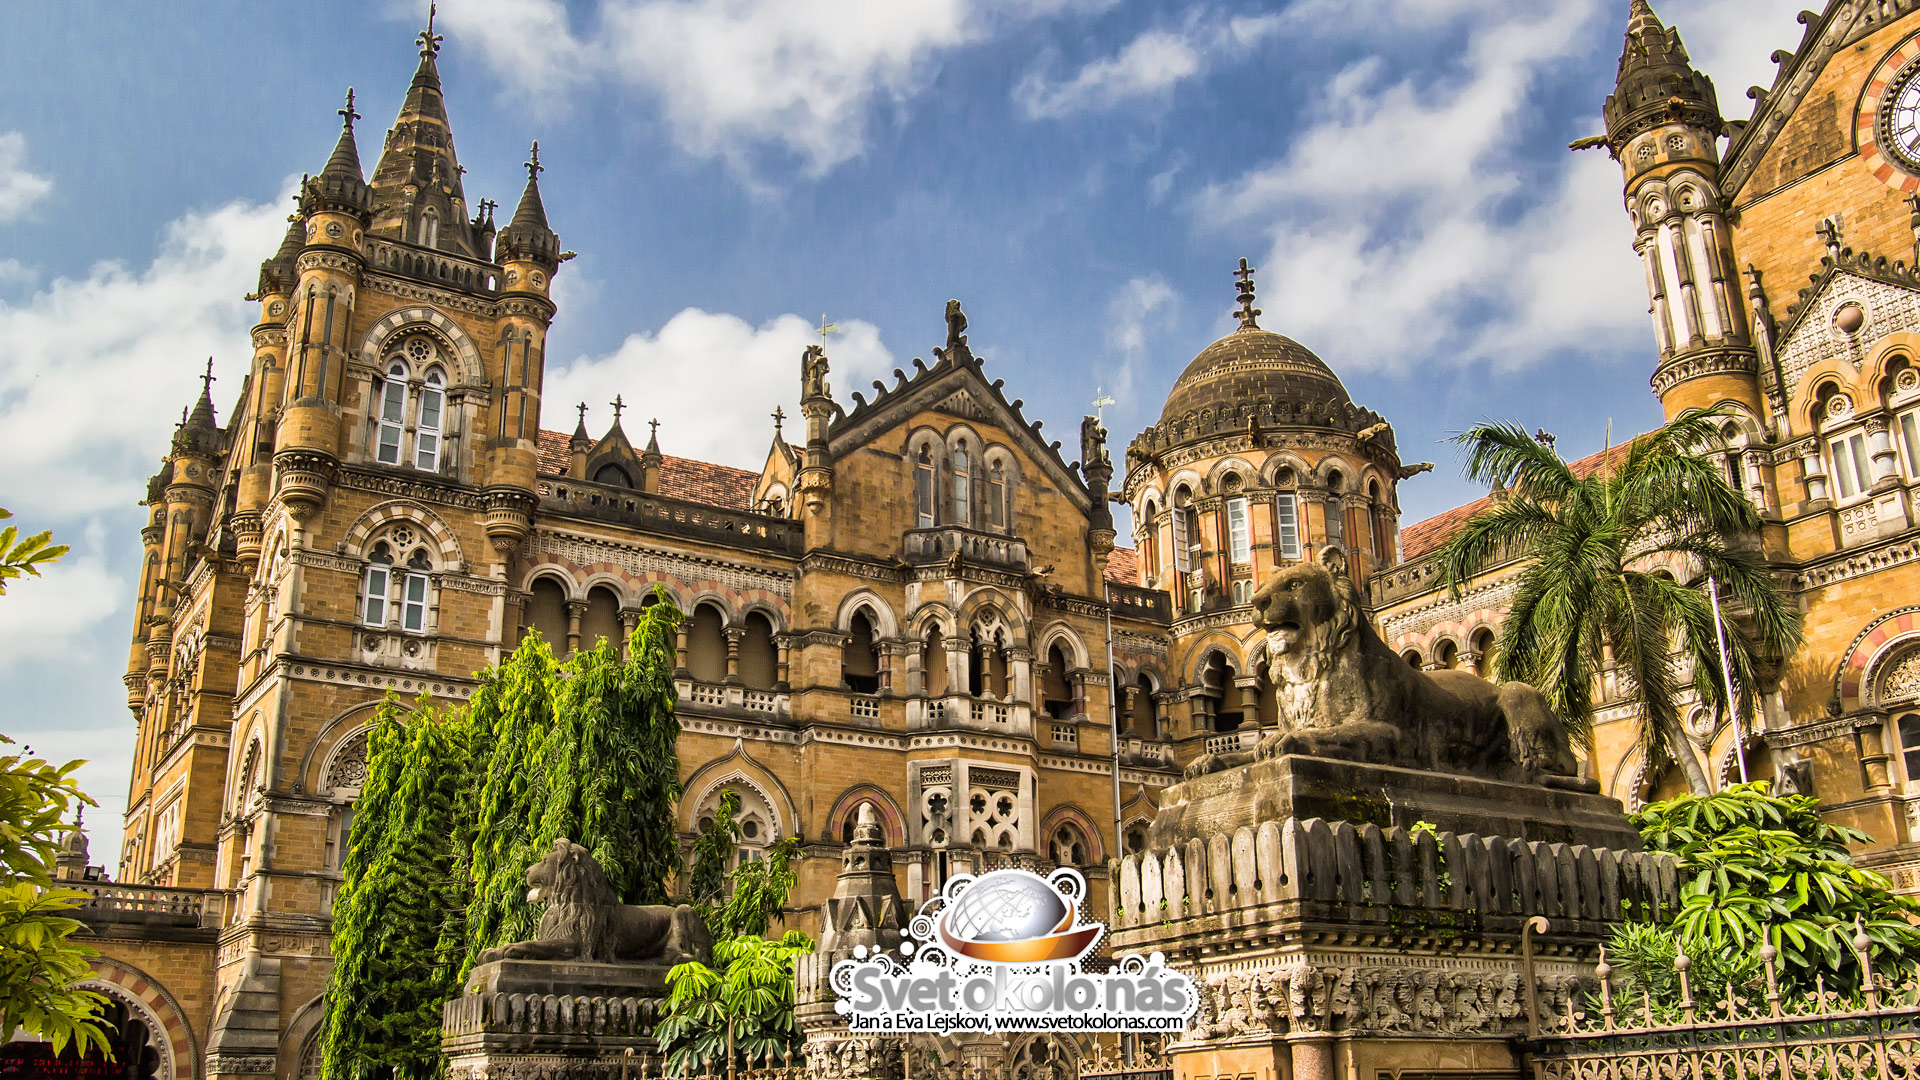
{"x":346,"y":153}
{"x":528,"y":235}
{"x":199,"y":432}
{"x":419,"y":174}
{"x":340,"y":186}
{"x":279,"y":274}
{"x":1657,"y":83}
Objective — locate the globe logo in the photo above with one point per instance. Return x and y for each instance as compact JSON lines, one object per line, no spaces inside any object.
{"x":1016,"y":917}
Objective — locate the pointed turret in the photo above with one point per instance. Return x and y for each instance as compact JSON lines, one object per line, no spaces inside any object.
{"x":279,"y":273}
{"x":1657,"y":83}
{"x":199,"y":433}
{"x":528,"y":237}
{"x":417,"y":194}
{"x":340,"y":186}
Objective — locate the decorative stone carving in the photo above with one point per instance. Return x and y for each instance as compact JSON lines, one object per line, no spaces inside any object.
{"x":1902,"y":679}
{"x":585,"y":921}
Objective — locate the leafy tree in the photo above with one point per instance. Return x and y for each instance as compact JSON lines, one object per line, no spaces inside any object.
{"x":760,"y":891}
{"x":713,"y":850}
{"x":390,"y":975}
{"x":1758,"y":869}
{"x":19,"y":557}
{"x":753,"y":989}
{"x":1594,"y":544}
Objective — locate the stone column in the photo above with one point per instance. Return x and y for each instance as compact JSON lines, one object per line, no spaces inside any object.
{"x":1249,"y":687}
{"x":1312,"y":1056}
{"x":1874,"y":758}
{"x":735,"y":635}
{"x":1077,"y":682}
{"x":784,"y":643}
{"x":1814,"y":472}
{"x":680,"y":651}
{"x":1886,"y":463}
{"x":1022,"y":675}
{"x":575,"y":609}
{"x":893,"y":657}
{"x":1162,"y":717}
{"x":629,"y":622}
{"x":916,"y":677}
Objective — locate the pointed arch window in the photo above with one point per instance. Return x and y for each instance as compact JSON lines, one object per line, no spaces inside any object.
{"x":426,"y":439}
{"x":994,"y":507}
{"x":429,"y":228}
{"x":393,"y":414}
{"x":379,"y":583}
{"x":962,"y":486}
{"x":923,"y":490}
{"x":413,"y":597}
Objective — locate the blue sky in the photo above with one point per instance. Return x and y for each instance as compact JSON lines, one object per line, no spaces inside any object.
{"x":1082,"y":174}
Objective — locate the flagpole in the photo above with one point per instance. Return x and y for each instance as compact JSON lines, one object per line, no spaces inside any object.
{"x":1726,"y":673}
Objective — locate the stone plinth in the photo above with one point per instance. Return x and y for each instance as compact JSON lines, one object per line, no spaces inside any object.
{"x":1305,"y":787}
{"x":1328,"y":939}
{"x":559,"y":1020}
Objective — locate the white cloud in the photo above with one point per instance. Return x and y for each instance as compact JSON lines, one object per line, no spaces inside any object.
{"x":712,"y":379}
{"x":95,"y":364}
{"x":1148,"y":67}
{"x":41,"y":618}
{"x":19,"y":189}
{"x":1140,"y":311}
{"x":737,"y":77}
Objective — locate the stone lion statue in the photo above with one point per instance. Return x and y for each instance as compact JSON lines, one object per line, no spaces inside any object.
{"x":585,"y":921}
{"x":1343,"y":694}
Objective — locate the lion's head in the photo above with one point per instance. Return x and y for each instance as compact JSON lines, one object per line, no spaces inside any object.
{"x":568,"y":875}
{"x":1310,"y":611}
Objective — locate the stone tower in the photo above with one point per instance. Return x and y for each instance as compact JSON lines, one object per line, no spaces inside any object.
{"x":1663,"y":125}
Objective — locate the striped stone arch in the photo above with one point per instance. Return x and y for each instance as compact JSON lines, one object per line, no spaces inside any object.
{"x":1851,"y":684}
{"x":891,"y":819}
{"x":459,"y":346}
{"x":179,"y":1050}
{"x":376,"y":518}
{"x":685,"y":592}
{"x":1068,"y":813}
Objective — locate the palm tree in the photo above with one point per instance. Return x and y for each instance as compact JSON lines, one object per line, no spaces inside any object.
{"x":1595,"y":544}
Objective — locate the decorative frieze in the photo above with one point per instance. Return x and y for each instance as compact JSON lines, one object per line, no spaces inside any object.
{"x":406,"y":683}
{"x":582,"y":551}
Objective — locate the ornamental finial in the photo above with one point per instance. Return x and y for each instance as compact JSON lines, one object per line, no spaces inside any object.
{"x":1247,"y":313}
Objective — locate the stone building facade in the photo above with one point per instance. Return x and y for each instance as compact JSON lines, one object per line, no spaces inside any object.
{"x":908,"y":606}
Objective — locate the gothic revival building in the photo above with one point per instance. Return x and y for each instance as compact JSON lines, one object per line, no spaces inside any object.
{"x":909,"y":606}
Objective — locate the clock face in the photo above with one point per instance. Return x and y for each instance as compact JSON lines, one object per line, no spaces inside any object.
{"x":1901,"y":117}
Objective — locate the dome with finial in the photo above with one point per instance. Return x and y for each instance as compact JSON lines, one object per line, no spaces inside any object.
{"x":1254,"y":365}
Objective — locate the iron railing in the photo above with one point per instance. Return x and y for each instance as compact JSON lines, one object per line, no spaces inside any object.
{"x":1872,"y":1036}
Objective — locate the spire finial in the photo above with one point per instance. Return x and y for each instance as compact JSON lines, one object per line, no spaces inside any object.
{"x":779,"y":415}
{"x":583,"y":414}
{"x":618,"y":405}
{"x":206,"y":381}
{"x":825,"y":329}
{"x":1247,"y":313}
{"x":654,"y":435}
{"x":534,"y":168}
{"x":348,"y":112}
{"x":428,"y":40}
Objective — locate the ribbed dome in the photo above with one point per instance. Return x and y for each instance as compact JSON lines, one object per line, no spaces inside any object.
{"x":1252,"y":365}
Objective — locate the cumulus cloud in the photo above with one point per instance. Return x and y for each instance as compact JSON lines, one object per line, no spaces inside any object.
{"x":19,"y":189}
{"x":93,"y":363}
{"x":41,"y":618}
{"x":737,"y":78}
{"x":1147,"y":67}
{"x":1136,"y":316}
{"x":713,"y":378}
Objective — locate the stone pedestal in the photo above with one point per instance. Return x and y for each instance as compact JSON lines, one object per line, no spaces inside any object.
{"x":559,"y":1020}
{"x":1328,"y":939}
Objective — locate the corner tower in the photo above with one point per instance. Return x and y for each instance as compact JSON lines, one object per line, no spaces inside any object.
{"x":1663,"y":126}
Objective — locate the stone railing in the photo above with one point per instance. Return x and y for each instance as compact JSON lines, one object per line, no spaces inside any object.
{"x":455,"y":270}
{"x":1234,"y":741}
{"x":1366,"y":872}
{"x":549,"y":1014}
{"x":700,"y":696}
{"x":151,"y":904}
{"x":932,"y":545}
{"x":1135,"y":750}
{"x":657,"y":513}
{"x":1140,"y":603}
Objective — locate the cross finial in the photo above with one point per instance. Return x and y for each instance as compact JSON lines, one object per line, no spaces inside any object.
{"x":654,"y":426}
{"x":206,"y":381}
{"x":534,"y":168}
{"x":779,"y":414}
{"x":825,"y":329}
{"x":1247,"y":313}
{"x":1100,"y":402}
{"x":618,"y":406}
{"x":348,"y":111}
{"x":583,"y":414}
{"x":430,"y":41}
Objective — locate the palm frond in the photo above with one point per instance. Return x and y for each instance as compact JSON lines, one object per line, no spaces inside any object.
{"x":1505,"y":454}
{"x":1511,"y":526}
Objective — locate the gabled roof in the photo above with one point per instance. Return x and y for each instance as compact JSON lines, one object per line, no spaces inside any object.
{"x":680,"y":478}
{"x":1840,"y":24}
{"x":1123,"y":566}
{"x":1422,"y":538}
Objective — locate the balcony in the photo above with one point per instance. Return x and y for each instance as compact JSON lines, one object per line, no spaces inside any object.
{"x":1147,"y":753}
{"x":115,"y":904}
{"x":938,"y":544}
{"x":738,"y":700}
{"x":1234,"y":741}
{"x":959,"y":712}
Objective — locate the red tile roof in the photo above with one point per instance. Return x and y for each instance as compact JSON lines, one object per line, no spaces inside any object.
{"x":1424,"y":537}
{"x":1123,"y":566}
{"x":680,"y":478}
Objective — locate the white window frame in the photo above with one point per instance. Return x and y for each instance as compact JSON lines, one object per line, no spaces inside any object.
{"x":1239,"y":532}
{"x":1852,"y":464}
{"x":426,"y":436}
{"x":377,"y":587}
{"x":413,"y":603}
{"x":962,"y":485}
{"x":1287,"y":511}
{"x":1183,"y":538}
{"x":1909,"y":424}
{"x":1336,"y":522}
{"x":390,"y":423}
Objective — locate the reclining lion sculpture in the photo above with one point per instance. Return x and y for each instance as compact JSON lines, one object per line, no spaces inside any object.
{"x":585,"y":920}
{"x":1342,"y":693}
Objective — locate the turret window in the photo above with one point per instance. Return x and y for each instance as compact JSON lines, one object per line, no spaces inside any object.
{"x":388,"y":590}
{"x":429,"y":229}
{"x":995,"y":508}
{"x":409,"y":410}
{"x":1910,"y":435}
{"x":1239,"y":539}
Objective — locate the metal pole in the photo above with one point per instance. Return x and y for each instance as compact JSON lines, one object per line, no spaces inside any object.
{"x":1113,"y":715}
{"x":1726,"y":673}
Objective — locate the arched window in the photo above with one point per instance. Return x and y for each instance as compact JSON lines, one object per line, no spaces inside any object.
{"x":859,"y":661}
{"x":962,"y":486}
{"x":1336,"y":518}
{"x":1909,"y":726}
{"x":1149,"y":540}
{"x":426,"y":438}
{"x":1056,"y":695}
{"x":429,"y":228}
{"x":547,"y":613}
{"x":1412,"y":657}
{"x":707,"y":645}
{"x":378,"y":585}
{"x":1136,"y":840}
{"x":933,"y":663}
{"x":602,"y":617}
{"x":758,"y":656}
{"x":413,"y":600}
{"x":1482,"y":643}
{"x":1142,"y":710}
{"x":1067,"y":847}
{"x":1378,"y":511}
{"x":612,"y":475}
{"x":923,"y":490}
{"x":393,"y":414}
{"x":1446,"y":655}
{"x":994,"y":505}
{"x":1211,"y":696}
